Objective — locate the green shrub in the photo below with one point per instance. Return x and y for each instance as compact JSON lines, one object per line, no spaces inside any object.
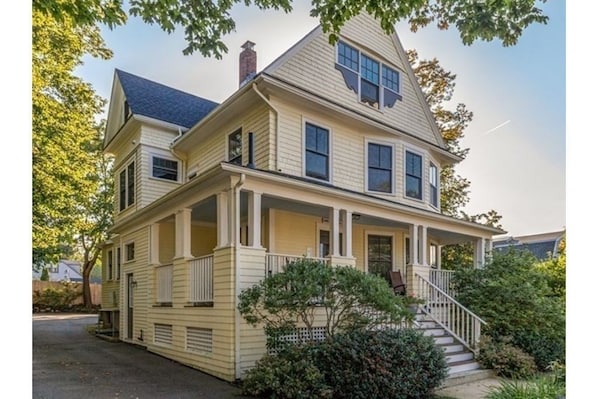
{"x":540,"y":388}
{"x":382,"y":364}
{"x":506,"y":359}
{"x":291,"y":374}
{"x":56,"y":298}
{"x":514,"y":297}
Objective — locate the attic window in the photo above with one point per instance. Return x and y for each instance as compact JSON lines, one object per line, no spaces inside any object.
{"x":127,"y":110}
{"x":374,"y":82}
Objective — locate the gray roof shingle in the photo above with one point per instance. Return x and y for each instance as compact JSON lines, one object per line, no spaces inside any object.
{"x":161,"y":102}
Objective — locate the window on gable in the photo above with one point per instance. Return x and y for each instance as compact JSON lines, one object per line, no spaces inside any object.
{"x":235,"y":147}
{"x":375,"y":83}
{"x":379,"y":168}
{"x":316,"y":152}
{"x":433,"y":177}
{"x":126,"y":186}
{"x":163,"y":168}
{"x":413,"y":175}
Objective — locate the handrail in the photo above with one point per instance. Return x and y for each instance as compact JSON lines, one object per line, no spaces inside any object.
{"x":275,"y":263}
{"x":455,"y":318}
{"x":443,"y":280}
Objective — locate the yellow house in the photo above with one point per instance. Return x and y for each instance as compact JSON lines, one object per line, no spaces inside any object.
{"x":329,"y":152}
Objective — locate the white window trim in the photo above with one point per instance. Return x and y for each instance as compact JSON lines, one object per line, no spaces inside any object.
{"x":125,"y":168}
{"x":169,"y":157}
{"x":226,"y":144}
{"x":380,"y":85}
{"x":304,"y":121}
{"x":393,"y":183}
{"x":124,"y":252}
{"x":423,"y":174}
{"x":436,"y":207}
{"x":368,"y":233}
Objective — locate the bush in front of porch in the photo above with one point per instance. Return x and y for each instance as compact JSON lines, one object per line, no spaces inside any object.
{"x":514,"y":297}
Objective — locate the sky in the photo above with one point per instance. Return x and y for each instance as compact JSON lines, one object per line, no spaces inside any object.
{"x":516,"y":162}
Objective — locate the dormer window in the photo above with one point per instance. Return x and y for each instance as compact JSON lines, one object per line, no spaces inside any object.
{"x":374,"y":82}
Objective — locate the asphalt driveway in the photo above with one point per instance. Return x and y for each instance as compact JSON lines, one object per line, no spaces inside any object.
{"x":69,"y":363}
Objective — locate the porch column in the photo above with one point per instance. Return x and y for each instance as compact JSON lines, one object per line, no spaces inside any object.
{"x":413,"y":243}
{"x":478,"y":253}
{"x":154,"y":255}
{"x":424,"y":251}
{"x":222,"y":219}
{"x":334,"y":232}
{"x":182,"y":245}
{"x":347,"y":233}
{"x":254,"y":205}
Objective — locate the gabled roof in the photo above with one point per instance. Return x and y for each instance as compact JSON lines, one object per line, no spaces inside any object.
{"x":161,"y":102}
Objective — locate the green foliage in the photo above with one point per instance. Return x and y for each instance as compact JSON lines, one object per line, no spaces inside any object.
{"x":543,"y":387}
{"x":350,"y":299}
{"x":513,"y":297}
{"x":382,"y":364}
{"x":57,"y":298}
{"x":506,"y":359}
{"x":556,"y":271}
{"x":358,"y":364}
{"x":291,"y":374}
{"x":205,"y":22}
{"x":45,"y":275}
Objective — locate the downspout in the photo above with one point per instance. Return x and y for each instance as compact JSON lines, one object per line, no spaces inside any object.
{"x":237,"y":224}
{"x":276,"y":137}
{"x":177,"y":155}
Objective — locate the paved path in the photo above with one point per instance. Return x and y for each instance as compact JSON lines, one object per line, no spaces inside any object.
{"x":471,"y":390}
{"x":69,"y":363}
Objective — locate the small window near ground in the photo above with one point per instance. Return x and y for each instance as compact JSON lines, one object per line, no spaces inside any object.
{"x":163,"y":168}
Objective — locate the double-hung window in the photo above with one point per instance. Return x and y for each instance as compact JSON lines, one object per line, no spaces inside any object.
{"x":126,"y":186}
{"x":380,"y":166}
{"x":374,"y":82}
{"x":317,"y":152}
{"x":164,"y":168}
{"x":413,"y":175}
{"x":433,"y":177}
{"x":109,"y":275}
{"x":235,"y":147}
{"x":130,"y":251}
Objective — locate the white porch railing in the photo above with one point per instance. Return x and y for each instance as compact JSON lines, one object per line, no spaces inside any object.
{"x":164,"y":283}
{"x":443,"y":280}
{"x":455,"y":318}
{"x":275,"y":263}
{"x":201,"y":279}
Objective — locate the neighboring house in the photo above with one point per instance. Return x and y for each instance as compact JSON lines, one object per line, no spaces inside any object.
{"x":64,"y":270}
{"x":329,"y":152}
{"x":543,"y":246}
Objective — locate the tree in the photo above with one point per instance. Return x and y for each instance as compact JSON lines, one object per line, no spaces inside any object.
{"x":67,"y":164}
{"x":45,"y":275}
{"x":555,"y":270}
{"x":438,"y":86}
{"x":205,"y":22}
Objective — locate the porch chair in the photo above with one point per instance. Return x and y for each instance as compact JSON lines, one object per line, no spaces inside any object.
{"x":397,"y":284}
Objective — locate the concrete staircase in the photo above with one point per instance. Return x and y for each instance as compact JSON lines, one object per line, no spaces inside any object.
{"x":462,"y":365}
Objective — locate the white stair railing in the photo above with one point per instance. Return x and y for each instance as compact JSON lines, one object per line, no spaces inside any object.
{"x":455,"y":318}
{"x":443,"y":280}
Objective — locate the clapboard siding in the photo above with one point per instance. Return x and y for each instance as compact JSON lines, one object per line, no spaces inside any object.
{"x":318,"y":57}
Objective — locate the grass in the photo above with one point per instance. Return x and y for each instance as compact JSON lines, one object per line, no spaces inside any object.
{"x":542,"y":387}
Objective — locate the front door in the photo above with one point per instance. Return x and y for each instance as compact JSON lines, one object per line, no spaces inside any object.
{"x":380,"y":255}
{"x":130,"y":285}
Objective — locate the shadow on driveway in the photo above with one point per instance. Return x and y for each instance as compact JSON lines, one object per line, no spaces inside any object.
{"x":69,"y":363}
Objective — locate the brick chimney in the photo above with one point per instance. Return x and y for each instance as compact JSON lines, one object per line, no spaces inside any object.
{"x":247,"y":62}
